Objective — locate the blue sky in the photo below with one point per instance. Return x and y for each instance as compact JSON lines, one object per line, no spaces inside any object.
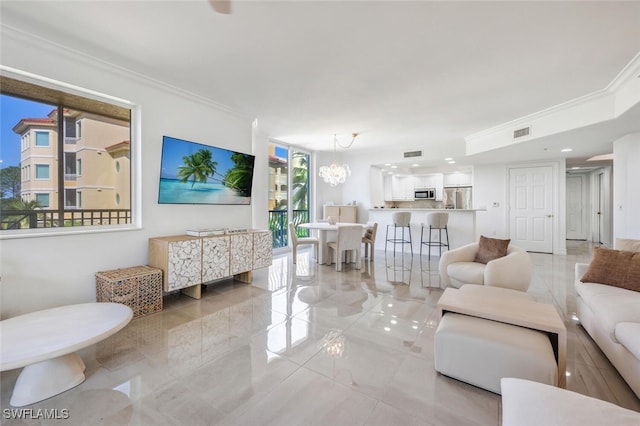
{"x":12,"y":110}
{"x":174,"y":149}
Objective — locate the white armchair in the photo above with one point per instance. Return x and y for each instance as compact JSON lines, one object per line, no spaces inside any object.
{"x":511,"y":271}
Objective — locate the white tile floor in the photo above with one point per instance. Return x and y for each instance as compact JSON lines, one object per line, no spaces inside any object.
{"x":259,"y":354}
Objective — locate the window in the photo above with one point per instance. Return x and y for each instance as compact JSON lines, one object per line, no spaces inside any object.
{"x":42,"y":139}
{"x":79,"y":128}
{"x":70,"y":198}
{"x":42,"y":200}
{"x":289,"y":199}
{"x":42,"y":171}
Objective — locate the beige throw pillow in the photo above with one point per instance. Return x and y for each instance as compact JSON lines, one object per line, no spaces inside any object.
{"x":627,"y":244}
{"x":490,"y":249}
{"x":614,"y":267}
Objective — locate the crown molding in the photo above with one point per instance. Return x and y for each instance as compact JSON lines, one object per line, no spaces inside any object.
{"x":77,"y":55}
{"x":626,"y":75}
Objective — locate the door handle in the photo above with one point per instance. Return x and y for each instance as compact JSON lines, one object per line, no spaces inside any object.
{"x":549,"y":215}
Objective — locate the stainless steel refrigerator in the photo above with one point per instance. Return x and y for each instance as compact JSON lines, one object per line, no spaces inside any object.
{"x":458,"y":198}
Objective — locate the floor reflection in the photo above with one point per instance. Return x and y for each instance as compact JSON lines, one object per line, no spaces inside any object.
{"x":304,"y":340}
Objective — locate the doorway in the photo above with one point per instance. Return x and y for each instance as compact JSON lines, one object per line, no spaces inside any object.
{"x":576,"y":204}
{"x":289,"y":192}
{"x":531,"y":208}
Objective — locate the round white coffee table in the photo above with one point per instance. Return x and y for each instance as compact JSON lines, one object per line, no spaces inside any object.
{"x":45,"y":342}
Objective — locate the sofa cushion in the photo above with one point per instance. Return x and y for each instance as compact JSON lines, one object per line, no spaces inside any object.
{"x":611,"y":305}
{"x":627,"y":244}
{"x":527,"y":403}
{"x":490,"y":248}
{"x":614,"y":267}
{"x":628,"y":334}
{"x":467,"y":272}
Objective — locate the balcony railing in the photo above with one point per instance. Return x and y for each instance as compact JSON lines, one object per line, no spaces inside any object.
{"x":29,"y":219}
{"x":278,"y":224}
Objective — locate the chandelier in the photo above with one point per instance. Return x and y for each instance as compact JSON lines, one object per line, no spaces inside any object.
{"x":335,"y":173}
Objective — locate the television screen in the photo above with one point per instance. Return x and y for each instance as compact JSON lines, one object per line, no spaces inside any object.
{"x":192,"y":173}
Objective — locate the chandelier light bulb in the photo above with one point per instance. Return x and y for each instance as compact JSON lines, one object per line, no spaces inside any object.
{"x":335,"y":174}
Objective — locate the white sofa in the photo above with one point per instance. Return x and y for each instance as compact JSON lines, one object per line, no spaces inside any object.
{"x":611,"y":316}
{"x":511,"y":271}
{"x":527,"y":403}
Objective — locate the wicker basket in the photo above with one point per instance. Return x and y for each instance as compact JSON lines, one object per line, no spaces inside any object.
{"x":139,"y":287}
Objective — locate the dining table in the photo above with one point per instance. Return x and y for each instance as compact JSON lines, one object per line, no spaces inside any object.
{"x":326,"y":232}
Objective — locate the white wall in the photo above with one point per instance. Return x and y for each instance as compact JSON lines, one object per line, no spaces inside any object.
{"x":56,"y":270}
{"x":626,"y":177}
{"x":489,"y":187}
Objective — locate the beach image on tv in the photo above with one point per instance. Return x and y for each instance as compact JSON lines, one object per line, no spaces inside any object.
{"x":192,"y":173}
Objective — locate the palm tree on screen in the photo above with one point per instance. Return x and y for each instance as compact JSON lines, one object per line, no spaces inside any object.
{"x":198,"y":167}
{"x":239,"y":176}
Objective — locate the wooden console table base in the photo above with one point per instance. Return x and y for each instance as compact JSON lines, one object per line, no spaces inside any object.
{"x":509,"y":307}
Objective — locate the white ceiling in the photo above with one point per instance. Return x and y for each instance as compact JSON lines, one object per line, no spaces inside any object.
{"x":406,"y":75}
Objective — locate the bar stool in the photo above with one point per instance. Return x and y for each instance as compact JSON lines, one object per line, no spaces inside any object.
{"x":435,"y":221}
{"x":400,"y":220}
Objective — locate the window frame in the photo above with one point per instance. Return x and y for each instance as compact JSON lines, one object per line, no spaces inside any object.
{"x":39,"y":194}
{"x":134,"y":152}
{"x":38,"y":166}
{"x":42,"y":132}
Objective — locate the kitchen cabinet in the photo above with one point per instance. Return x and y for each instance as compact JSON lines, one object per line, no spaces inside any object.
{"x":458,"y":179}
{"x":342,"y":213}
{"x":398,"y":188}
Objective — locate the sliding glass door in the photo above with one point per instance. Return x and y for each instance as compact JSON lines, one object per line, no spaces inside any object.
{"x":289,"y":189}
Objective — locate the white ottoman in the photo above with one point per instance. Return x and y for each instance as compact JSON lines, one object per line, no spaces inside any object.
{"x":481,"y":352}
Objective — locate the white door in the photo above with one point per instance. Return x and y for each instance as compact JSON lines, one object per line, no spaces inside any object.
{"x":601,"y":209}
{"x":531,"y":208}
{"x":576,"y":224}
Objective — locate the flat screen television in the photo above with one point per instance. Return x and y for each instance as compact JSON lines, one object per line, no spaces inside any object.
{"x":193,"y":173}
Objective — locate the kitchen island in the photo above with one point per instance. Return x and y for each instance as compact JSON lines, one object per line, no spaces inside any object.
{"x":462,"y":226}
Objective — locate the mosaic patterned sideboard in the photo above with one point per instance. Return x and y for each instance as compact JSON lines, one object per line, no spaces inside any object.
{"x":188,"y":262}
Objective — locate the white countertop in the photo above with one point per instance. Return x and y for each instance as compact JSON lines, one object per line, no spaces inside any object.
{"x":395,"y":209}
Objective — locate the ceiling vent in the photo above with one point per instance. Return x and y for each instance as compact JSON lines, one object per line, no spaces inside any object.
{"x":520,"y":133}
{"x":410,"y":154}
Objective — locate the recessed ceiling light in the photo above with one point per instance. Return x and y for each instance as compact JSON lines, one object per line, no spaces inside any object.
{"x":394,"y":167}
{"x":448,"y":159}
{"x":566,"y":150}
{"x":387,"y":164}
{"x":576,"y":168}
{"x":452,"y":162}
{"x":415,"y":165}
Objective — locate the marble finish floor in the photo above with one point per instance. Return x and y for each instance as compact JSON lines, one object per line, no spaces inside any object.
{"x":304,"y":344}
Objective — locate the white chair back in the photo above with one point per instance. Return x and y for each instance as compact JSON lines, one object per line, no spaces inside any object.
{"x":370,"y":232}
{"x":349,"y":237}
{"x":401,"y":218}
{"x":292,"y":234}
{"x":438,"y":220}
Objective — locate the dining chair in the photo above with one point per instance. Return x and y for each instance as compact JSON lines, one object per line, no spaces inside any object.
{"x":295,"y":242}
{"x":349,"y":238}
{"x":369,"y":238}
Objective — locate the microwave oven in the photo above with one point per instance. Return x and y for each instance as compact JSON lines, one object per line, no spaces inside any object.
{"x":424,"y":194}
